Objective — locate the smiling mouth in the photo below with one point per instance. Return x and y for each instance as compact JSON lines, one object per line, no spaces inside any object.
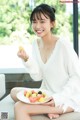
{"x":39,"y":31}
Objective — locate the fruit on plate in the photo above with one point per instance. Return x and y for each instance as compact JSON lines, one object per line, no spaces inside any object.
{"x":35,"y":96}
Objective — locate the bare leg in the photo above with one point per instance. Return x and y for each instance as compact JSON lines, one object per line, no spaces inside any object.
{"x":15,"y":90}
{"x":23,"y":111}
{"x":52,"y":115}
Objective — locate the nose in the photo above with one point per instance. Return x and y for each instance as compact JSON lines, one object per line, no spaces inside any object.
{"x":38,"y":25}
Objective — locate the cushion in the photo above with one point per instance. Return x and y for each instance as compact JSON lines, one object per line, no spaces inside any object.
{"x":2,"y":85}
{"x":7,"y":105}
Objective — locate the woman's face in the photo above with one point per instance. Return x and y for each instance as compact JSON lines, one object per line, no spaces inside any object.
{"x":42,"y":26}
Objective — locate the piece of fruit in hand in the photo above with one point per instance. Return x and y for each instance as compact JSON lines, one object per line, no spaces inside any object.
{"x":21,"y":48}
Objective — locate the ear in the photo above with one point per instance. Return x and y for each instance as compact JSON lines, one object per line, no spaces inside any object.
{"x":53,"y":24}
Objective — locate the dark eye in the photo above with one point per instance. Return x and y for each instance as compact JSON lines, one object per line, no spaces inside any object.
{"x":42,"y":21}
{"x":33,"y":21}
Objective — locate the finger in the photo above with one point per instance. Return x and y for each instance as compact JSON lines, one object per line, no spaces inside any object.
{"x":50,"y":98}
{"x":51,"y":102}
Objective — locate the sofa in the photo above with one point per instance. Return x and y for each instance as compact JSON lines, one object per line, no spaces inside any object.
{"x":7,"y":106}
{"x":2,"y":85}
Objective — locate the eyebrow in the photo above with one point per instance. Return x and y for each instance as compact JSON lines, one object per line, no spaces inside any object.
{"x":40,"y":19}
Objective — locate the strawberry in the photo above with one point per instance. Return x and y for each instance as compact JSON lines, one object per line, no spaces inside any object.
{"x":33,"y":99}
{"x":33,"y":91}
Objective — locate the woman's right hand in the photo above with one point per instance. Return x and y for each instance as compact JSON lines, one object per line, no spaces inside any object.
{"x":22,"y":54}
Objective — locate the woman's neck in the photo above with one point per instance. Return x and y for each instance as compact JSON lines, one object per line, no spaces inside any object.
{"x":48,"y":40}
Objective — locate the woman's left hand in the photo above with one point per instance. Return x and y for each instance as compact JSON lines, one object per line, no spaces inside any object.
{"x":50,"y":102}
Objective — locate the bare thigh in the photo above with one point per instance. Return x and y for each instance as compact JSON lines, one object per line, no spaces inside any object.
{"x":34,"y":109}
{"x":14,"y":92}
{"x":25,"y":111}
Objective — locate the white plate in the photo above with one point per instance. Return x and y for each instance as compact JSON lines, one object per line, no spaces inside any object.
{"x":24,"y":99}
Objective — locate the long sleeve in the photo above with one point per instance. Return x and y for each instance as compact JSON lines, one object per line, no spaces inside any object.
{"x":33,"y":69}
{"x":73,"y":83}
{"x":33,"y":66}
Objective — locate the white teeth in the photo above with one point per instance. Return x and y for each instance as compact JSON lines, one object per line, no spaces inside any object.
{"x":39,"y":30}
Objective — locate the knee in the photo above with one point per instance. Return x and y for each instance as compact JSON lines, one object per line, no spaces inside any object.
{"x":13,"y":93}
{"x":12,"y":90}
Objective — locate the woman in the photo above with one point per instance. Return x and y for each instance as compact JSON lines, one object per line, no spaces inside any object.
{"x":55,"y":63}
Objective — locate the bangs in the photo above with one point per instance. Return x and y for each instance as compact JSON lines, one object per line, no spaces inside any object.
{"x":45,"y":10}
{"x":37,"y":15}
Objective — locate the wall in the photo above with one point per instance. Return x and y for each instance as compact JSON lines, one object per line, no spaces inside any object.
{"x":20,"y":80}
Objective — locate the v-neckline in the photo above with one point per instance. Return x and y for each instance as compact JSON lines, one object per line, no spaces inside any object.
{"x":53,"y":51}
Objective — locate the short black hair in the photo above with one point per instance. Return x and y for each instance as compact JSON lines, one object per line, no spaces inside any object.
{"x":43,"y":9}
